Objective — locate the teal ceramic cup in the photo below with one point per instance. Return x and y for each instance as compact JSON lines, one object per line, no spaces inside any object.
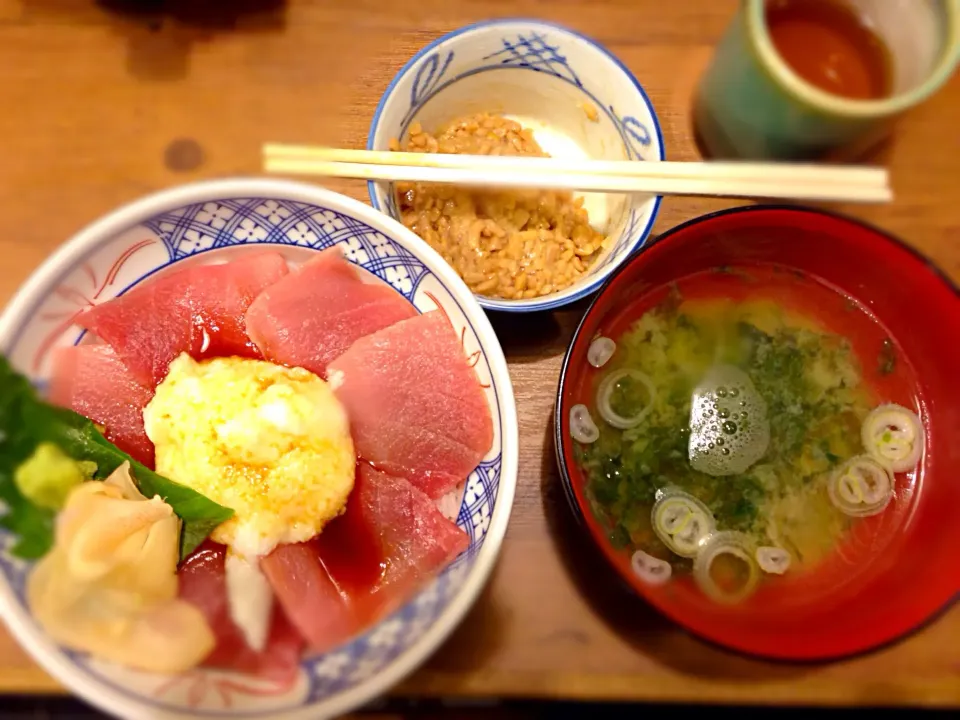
{"x":750,"y":104}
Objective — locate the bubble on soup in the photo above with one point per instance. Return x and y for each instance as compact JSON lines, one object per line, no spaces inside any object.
{"x":729,"y":427}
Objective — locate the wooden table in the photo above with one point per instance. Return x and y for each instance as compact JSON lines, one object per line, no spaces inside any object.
{"x":100,"y":107}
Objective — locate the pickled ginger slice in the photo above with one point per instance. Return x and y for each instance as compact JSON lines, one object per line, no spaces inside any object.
{"x":199,"y":310}
{"x":113,"y":535}
{"x":416,"y":407}
{"x":167,"y":637}
{"x":109,"y":585}
{"x":313,"y":315}
{"x":93,"y":381}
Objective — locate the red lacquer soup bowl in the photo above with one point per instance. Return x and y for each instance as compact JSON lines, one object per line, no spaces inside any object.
{"x":886,"y":575}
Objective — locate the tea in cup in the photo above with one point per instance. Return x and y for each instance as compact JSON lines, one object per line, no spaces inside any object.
{"x":806,"y":79}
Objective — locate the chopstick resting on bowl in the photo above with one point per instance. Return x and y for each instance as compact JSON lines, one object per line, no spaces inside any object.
{"x":722,"y":179}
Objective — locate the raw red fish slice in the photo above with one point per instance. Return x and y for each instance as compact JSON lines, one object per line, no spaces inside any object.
{"x":391,"y":539}
{"x":416,"y":407}
{"x":199,"y":310}
{"x":366,"y":562}
{"x":224,"y":293}
{"x":308,"y":596}
{"x":416,"y":540}
{"x":351,"y":549}
{"x":148,"y":327}
{"x":202,"y":583}
{"x":91,"y":380}
{"x":314,"y":314}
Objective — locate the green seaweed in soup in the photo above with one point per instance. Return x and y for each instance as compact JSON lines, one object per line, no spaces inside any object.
{"x":708,"y":362}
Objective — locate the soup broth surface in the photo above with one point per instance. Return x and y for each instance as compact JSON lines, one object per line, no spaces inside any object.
{"x":753,"y":383}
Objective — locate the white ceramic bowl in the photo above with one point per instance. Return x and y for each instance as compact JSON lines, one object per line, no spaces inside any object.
{"x":211,"y":222}
{"x":546,"y":77}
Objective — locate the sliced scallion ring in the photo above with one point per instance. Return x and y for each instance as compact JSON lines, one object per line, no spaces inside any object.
{"x":682,"y":522}
{"x":735,"y":583}
{"x":600,"y":351}
{"x":651,"y":570}
{"x":582,"y":427}
{"x":861,"y":487}
{"x":605,"y":398}
{"x":894,"y":436}
{"x":773,"y":560}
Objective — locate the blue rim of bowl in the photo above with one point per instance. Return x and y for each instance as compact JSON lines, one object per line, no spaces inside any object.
{"x":567,"y":483}
{"x":538,"y":304}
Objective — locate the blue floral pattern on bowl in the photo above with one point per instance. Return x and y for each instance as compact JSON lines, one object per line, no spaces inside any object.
{"x":535,"y":52}
{"x":212,"y":230}
{"x":529,"y":53}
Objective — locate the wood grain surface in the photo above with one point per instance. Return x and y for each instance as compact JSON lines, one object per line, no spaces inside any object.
{"x":102,"y":105}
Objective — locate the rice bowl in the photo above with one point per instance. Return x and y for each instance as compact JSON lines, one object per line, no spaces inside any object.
{"x":199,"y":223}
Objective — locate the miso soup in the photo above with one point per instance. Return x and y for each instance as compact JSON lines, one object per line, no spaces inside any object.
{"x":740,"y":423}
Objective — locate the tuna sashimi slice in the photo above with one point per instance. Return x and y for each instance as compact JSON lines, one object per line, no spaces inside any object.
{"x":203,"y":584}
{"x":91,"y":380}
{"x":199,"y":310}
{"x":314,"y":314}
{"x":415,"y":539}
{"x":391,"y":539}
{"x":308,"y":596}
{"x":416,"y":407}
{"x":365,"y":563}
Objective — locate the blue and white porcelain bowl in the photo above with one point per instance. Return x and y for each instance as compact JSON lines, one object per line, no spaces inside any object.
{"x":213,"y":222}
{"x":580,"y":101}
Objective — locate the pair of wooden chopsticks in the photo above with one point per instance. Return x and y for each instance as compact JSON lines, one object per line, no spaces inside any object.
{"x":723,"y":179}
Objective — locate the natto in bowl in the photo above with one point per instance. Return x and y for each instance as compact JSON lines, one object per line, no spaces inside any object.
{"x":579,"y":100}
